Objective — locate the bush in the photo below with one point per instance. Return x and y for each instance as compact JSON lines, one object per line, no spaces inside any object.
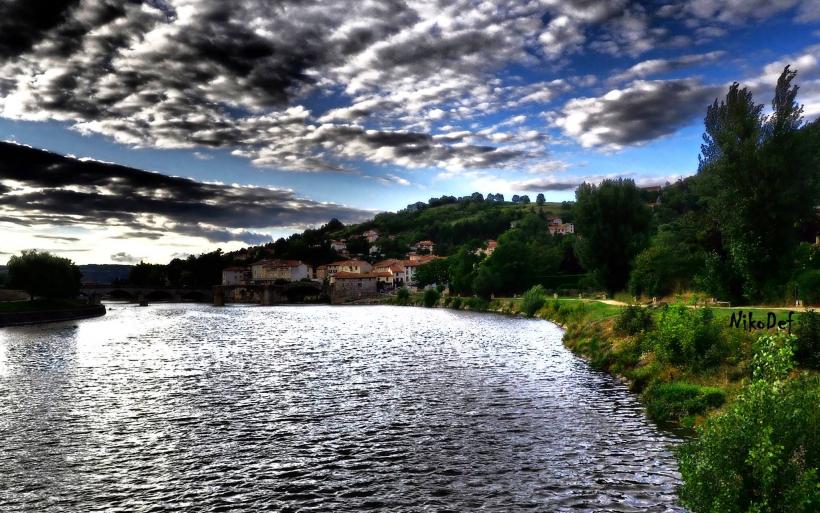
{"x":476,"y":303}
{"x":688,"y":337}
{"x":674,"y":401}
{"x":807,"y":346}
{"x":533,"y":300}
{"x":431,"y":297}
{"x":633,"y":320}
{"x":455,"y":302}
{"x":762,"y":455}
{"x":808,"y":286}
{"x":403,"y":296}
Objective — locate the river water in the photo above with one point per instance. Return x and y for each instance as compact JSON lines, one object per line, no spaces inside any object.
{"x":317,"y":408}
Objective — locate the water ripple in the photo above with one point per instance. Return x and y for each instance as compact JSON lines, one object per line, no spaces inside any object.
{"x":194,"y":408}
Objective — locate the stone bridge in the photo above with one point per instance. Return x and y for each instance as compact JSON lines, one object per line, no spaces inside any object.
{"x":269,"y":294}
{"x":146,"y":294}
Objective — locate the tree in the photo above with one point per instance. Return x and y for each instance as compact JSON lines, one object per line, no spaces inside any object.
{"x":667,"y":265}
{"x":43,"y":274}
{"x":525,"y":200}
{"x":435,"y":272}
{"x":760,"y":177}
{"x":613,"y":226}
{"x":540,"y":200}
{"x":516,"y":198}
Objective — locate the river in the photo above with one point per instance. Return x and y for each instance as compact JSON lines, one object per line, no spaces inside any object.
{"x":315,"y":408}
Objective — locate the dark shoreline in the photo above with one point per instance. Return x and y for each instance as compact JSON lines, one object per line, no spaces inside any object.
{"x":9,"y":319}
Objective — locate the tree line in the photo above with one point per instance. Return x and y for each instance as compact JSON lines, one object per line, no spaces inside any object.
{"x":741,"y":229}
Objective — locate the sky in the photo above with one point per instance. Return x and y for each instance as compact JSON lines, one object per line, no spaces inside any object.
{"x":173,"y":127}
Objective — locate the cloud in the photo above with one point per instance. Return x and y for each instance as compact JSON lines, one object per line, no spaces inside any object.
{"x":657,"y":66}
{"x":56,"y":190}
{"x":636,"y":114}
{"x":125,"y":258}
{"x":58,"y":238}
{"x":741,"y":11}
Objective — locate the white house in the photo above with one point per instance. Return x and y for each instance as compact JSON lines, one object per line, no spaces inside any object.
{"x":371,"y":235}
{"x":272,"y":270}
{"x":236,"y":276}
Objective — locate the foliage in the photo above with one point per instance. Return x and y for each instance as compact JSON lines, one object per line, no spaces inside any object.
{"x":687,"y":337}
{"x":533,"y":300}
{"x":759,"y":178}
{"x":462,"y":271}
{"x":633,"y":320}
{"x":152,"y":275}
{"x":613,"y":224}
{"x":675,"y":401}
{"x":455,"y":302}
{"x":403,"y":296}
{"x":476,"y":303}
{"x":431,"y":297}
{"x":43,"y":274}
{"x":807,"y":345}
{"x":761,"y":455}
{"x":525,"y":256}
{"x":667,"y":265}
{"x":808,"y":286}
{"x":434,"y":272}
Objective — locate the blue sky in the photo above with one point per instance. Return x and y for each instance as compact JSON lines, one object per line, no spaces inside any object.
{"x":368,"y":106}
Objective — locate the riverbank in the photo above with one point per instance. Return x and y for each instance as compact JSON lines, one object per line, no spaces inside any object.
{"x":685,"y":364}
{"x":21,"y":313}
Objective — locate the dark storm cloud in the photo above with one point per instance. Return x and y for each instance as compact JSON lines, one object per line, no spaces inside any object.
{"x":56,"y":237}
{"x":644,"y":111}
{"x":60,"y":190}
{"x":24,"y":22}
{"x":545,"y":186}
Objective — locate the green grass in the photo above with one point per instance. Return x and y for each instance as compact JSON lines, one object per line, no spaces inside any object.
{"x":39,"y":305}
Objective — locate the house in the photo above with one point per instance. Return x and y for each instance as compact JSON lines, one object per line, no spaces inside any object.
{"x":320,"y":273}
{"x":371,"y":235}
{"x":273,"y":270}
{"x":339,"y":246}
{"x":423,"y":246}
{"x":351,"y":286}
{"x":391,"y":273}
{"x":556,"y":225}
{"x":347,"y":266}
{"x":489,"y":250}
{"x":412,"y":264}
{"x":236,"y":276}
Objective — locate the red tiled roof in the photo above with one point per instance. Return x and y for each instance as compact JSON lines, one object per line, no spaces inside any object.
{"x":348,"y":262}
{"x":282,"y":263}
{"x":344,"y":275}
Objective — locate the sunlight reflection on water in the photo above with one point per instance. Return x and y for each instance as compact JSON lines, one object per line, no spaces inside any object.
{"x":317,"y":408}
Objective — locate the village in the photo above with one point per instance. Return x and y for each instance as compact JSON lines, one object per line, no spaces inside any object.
{"x":352,"y":278}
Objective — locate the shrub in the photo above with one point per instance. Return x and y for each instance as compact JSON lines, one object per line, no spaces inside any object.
{"x":675,"y":401}
{"x":688,"y":337}
{"x":476,"y":303}
{"x":808,"y":284}
{"x":533,"y":300}
{"x":633,"y":320}
{"x":761,"y":455}
{"x":807,"y":347}
{"x":430,"y":298}
{"x":403,"y":296}
{"x":455,"y":302}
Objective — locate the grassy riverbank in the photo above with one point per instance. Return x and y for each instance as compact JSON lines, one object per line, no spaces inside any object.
{"x":750,"y":400}
{"x":685,"y":363}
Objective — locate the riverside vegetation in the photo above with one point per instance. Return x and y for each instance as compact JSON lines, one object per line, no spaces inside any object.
{"x":749,"y":404}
